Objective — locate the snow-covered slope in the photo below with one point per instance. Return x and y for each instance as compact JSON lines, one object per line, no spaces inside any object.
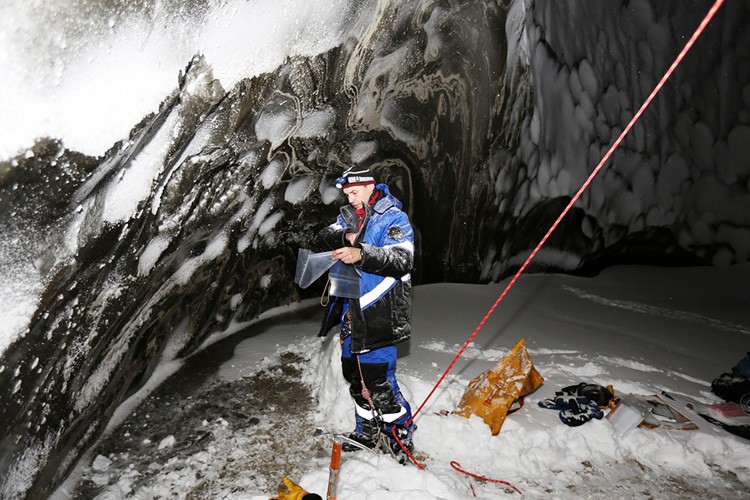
{"x":642,"y":329}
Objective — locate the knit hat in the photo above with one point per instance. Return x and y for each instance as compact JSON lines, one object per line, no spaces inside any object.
{"x":355,"y":176}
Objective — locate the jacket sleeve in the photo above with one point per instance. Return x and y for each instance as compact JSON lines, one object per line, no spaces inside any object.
{"x":395,"y":256}
{"x":329,"y":238}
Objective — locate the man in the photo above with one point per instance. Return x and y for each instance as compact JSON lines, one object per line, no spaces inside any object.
{"x":374,"y":235}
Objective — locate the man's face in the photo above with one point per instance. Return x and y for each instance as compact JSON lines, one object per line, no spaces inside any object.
{"x":358,"y":195}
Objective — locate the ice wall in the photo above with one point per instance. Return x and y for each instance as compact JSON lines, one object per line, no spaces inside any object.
{"x":680,"y":178}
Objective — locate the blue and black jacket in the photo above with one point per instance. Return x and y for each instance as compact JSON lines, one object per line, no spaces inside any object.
{"x":382,"y":314}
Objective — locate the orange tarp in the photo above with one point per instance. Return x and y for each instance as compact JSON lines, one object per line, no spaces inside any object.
{"x":491,"y":393}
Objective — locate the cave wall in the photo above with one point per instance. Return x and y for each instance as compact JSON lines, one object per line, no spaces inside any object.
{"x":484,"y":117}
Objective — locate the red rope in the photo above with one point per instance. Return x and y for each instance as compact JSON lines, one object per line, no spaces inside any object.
{"x":457,"y":466}
{"x":573,"y":200}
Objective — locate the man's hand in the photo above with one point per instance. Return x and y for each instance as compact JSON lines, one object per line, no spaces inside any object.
{"x":349,"y":255}
{"x":351,"y":238}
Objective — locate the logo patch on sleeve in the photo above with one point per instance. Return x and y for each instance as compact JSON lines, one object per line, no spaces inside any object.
{"x":395,"y":233}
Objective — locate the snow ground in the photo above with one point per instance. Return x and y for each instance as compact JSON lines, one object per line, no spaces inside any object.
{"x":641,"y":329}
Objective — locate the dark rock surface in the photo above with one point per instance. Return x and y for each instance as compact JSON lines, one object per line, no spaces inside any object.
{"x":259,"y":426}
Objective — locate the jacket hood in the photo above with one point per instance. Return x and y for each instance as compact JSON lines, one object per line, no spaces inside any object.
{"x":387,"y":201}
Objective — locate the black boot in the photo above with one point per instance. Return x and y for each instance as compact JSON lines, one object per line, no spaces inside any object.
{"x":404,"y":434}
{"x":366,"y":435}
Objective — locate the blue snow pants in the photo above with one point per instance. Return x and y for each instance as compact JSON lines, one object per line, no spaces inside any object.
{"x":378,"y":371}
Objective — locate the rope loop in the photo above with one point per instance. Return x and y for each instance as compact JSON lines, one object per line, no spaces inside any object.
{"x":457,"y":466}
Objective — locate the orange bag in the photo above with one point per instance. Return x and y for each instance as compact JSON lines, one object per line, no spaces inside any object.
{"x":491,"y":393}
